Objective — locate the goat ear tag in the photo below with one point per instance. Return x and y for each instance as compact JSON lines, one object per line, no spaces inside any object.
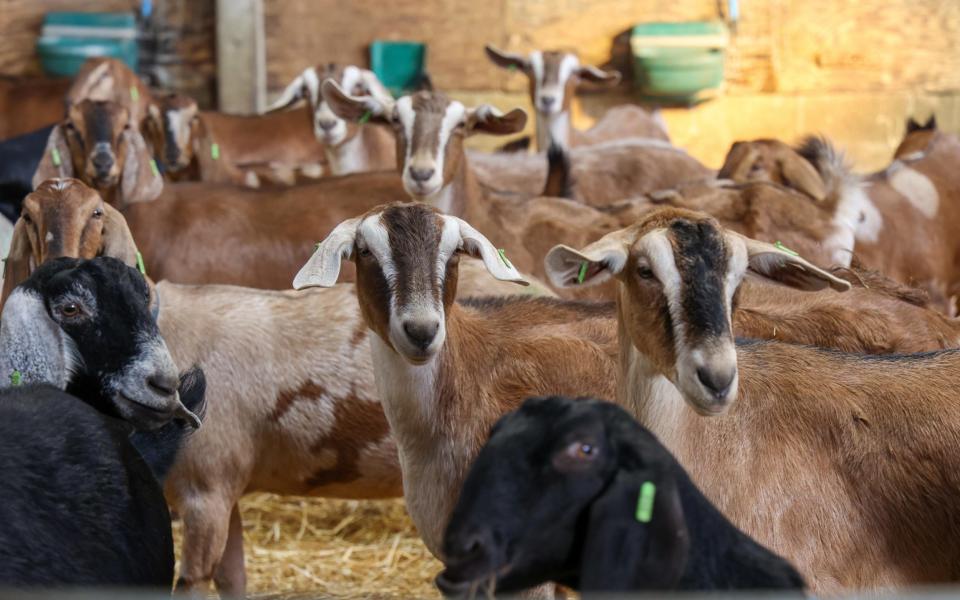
{"x":779,"y":246}
{"x":16,"y":378}
{"x":215,"y":151}
{"x":503,"y":257}
{"x":140,"y":267}
{"x":582,"y":275}
{"x":55,"y":155}
{"x":134,"y":93}
{"x":645,"y":502}
{"x":153,"y":168}
{"x":365,"y":117}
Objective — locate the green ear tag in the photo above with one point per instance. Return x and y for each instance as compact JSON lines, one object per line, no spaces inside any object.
{"x":583,"y":273}
{"x":780,"y":246}
{"x":365,"y":117}
{"x":503,"y":257}
{"x":15,"y":378}
{"x":134,"y":93}
{"x":512,"y":67}
{"x":317,"y":246}
{"x":215,"y":151}
{"x":143,"y":269}
{"x":154,"y":169}
{"x":55,"y":155}
{"x":645,"y":502}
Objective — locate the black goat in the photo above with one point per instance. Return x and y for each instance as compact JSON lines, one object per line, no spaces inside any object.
{"x":578,"y":493}
{"x":82,"y":502}
{"x":19,"y":158}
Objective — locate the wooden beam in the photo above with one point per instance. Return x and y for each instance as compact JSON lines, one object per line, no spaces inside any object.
{"x":241,"y":56}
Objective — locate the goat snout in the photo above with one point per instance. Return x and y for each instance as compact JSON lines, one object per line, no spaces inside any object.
{"x":163,"y":383}
{"x":326,"y":124}
{"x":102,"y":163}
{"x":547,"y":102}
{"x":421,"y":332}
{"x":717,"y":381}
{"x":420,"y":174}
{"x":469,"y":556}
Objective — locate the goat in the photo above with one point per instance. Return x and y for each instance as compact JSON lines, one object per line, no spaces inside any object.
{"x":83,"y":503}
{"x":606,"y":508}
{"x":210,"y":146}
{"x":835,"y":440}
{"x":431,"y":128}
{"x":110,"y":80}
{"x":350,"y":147}
{"x":907,"y":206}
{"x":554,"y":77}
{"x":440,"y":387}
{"x":30,"y":104}
{"x":307,"y":406}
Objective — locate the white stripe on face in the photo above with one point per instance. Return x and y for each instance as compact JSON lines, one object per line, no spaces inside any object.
{"x":656,"y":247}
{"x":428,"y":189}
{"x":312,"y":81}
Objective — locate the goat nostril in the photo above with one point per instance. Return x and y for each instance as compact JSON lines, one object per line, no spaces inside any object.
{"x":327,"y":125}
{"x":165,"y":385}
{"x":421,"y":333}
{"x":421,"y":174}
{"x":718,"y":383}
{"x":547,"y":101}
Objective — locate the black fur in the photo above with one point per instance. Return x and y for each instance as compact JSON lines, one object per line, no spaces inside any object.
{"x":521,"y":144}
{"x":701,"y":260}
{"x":19,"y":158}
{"x":558,"y":182}
{"x":525,"y":503}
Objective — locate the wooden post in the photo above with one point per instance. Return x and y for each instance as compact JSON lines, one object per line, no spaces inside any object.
{"x":241,"y":56}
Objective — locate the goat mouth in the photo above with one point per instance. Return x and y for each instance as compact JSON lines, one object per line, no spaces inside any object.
{"x":466,"y":585}
{"x":141,"y":414}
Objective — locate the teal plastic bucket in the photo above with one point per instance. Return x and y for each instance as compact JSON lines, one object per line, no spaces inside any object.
{"x":399,"y":65}
{"x":679,"y":63}
{"x":69,"y":39}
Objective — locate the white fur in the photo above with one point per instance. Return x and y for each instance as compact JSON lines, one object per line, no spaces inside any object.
{"x":915,"y":187}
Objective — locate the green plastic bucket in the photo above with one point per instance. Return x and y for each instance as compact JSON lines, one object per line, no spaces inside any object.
{"x":69,"y":39}
{"x":399,"y":65}
{"x":679,"y":63}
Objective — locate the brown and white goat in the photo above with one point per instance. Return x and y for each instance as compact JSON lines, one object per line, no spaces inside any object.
{"x":290,"y":401}
{"x":554,"y":77}
{"x":29,"y":104}
{"x":844,"y":464}
{"x":902,"y":219}
{"x":350,"y":146}
{"x":197,"y":145}
{"x":445,"y":371}
{"x":431,"y":128}
{"x":206,"y":232}
{"x":108,"y":79}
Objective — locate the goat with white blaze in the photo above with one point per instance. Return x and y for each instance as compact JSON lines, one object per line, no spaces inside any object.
{"x":446,"y":370}
{"x":845,"y":464}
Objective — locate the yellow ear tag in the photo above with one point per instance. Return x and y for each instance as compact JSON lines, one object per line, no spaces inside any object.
{"x":215,"y":151}
{"x":780,"y":246}
{"x":55,"y":155}
{"x":134,"y":93}
{"x":645,"y":502}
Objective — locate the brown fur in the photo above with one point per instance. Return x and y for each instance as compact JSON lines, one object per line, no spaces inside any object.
{"x":29,"y":104}
{"x":109,"y":79}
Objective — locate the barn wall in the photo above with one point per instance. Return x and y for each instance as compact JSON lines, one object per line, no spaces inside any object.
{"x":853,"y":70}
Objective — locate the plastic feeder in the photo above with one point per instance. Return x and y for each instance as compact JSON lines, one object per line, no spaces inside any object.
{"x":69,"y":38}
{"x":679,"y":63}
{"x":399,"y":65}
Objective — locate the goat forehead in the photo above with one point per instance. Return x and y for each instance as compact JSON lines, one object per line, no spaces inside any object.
{"x":414,"y":234}
{"x":701,"y":259}
{"x":350,"y":78}
{"x":99,"y":125}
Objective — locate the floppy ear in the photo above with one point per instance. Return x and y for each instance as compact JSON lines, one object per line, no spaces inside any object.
{"x":595,"y":75}
{"x":487,"y":119}
{"x":739,"y":159}
{"x":787,"y":267}
{"x":140,"y":180}
{"x":323,"y":268}
{"x":117,"y":241}
{"x":477,"y":245}
{"x":621,"y":552}
{"x":33,"y":348}
{"x":292,"y":94}
{"x":19,"y":262}
{"x":505,"y":59}
{"x":56,"y":160}
{"x":800,"y":175}
{"x":354,"y":108}
{"x":596,"y":263}
{"x":376,"y":87}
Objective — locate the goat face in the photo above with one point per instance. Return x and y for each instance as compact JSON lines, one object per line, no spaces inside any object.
{"x":429,"y":128}
{"x":407,"y":258}
{"x":63,"y":217}
{"x":172,"y":129}
{"x":88,"y":327}
{"x":94,"y":133}
{"x":553,"y":75}
{"x":679,"y":273}
{"x":329,"y":128}
{"x":577,"y":469}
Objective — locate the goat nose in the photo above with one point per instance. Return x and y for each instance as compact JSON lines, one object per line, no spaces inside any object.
{"x":163,"y":384}
{"x":547,"y":101}
{"x":326,"y":125}
{"x":471,"y":545}
{"x":421,"y":174}
{"x":102,"y":161}
{"x":716,"y":382}
{"x":421,"y":333}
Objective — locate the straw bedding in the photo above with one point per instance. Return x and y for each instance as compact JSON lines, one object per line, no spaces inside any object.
{"x":313,"y":547}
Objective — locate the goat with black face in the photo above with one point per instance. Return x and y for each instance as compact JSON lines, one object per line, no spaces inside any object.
{"x":87,"y":327}
{"x":578,"y":493}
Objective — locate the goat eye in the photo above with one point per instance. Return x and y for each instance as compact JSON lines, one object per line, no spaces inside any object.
{"x":70,"y":310}
{"x":97,"y":213}
{"x":645,"y":273}
{"x":26,"y":218}
{"x":582,"y":451}
{"x":364,"y":252}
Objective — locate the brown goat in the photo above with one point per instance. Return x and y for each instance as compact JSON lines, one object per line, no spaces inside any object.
{"x":29,"y":104}
{"x":110,"y":80}
{"x":197,"y":145}
{"x":844,"y":464}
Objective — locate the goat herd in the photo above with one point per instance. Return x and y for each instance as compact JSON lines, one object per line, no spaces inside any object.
{"x":766,"y":430}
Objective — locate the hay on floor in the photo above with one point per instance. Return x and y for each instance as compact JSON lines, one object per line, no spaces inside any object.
{"x":333,"y":548}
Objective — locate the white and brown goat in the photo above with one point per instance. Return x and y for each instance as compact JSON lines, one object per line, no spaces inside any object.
{"x":554,"y":78}
{"x":110,"y":80}
{"x":845,"y":464}
{"x":350,"y":146}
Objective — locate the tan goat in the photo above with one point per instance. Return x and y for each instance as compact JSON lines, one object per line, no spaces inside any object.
{"x":903,"y":218}
{"x":110,"y":80}
{"x":845,"y":464}
{"x":554,"y":77}
{"x":350,"y":147}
